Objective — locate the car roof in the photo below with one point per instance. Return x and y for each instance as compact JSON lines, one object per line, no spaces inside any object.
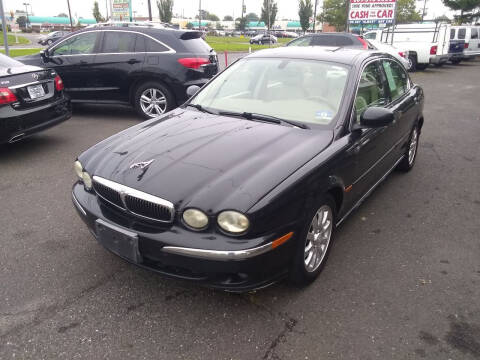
{"x":347,"y":56}
{"x":137,"y":29}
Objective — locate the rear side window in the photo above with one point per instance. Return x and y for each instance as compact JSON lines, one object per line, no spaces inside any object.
{"x":474,"y":33}
{"x":196,"y":46}
{"x":303,"y":41}
{"x":461,"y":33}
{"x":452,"y":34}
{"x":145,"y":44}
{"x":118,"y":42}
{"x":396,"y":78}
{"x":332,"y":40}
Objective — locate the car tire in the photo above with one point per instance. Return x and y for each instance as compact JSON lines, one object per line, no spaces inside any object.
{"x":421,"y":67}
{"x":408,"y":161}
{"x":314,"y":243}
{"x":455,"y":61}
{"x":49,"y":42}
{"x":412,"y":62}
{"x":152,"y":93}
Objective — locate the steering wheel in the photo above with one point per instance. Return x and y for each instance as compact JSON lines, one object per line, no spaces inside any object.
{"x":322,"y":99}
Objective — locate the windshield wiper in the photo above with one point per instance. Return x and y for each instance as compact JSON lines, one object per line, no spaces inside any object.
{"x":266,"y":118}
{"x":202,"y":109}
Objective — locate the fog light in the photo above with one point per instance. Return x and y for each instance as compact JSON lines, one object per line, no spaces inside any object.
{"x":196,"y":219}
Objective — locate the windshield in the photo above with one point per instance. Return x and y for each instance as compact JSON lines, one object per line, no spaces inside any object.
{"x":6,"y":62}
{"x":306,"y":91}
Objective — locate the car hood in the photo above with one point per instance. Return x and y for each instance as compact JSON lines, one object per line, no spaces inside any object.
{"x":202,"y":160}
{"x":34,"y":59}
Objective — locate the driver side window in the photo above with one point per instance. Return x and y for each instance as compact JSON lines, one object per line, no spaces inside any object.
{"x":371,"y":90}
{"x":77,"y":45}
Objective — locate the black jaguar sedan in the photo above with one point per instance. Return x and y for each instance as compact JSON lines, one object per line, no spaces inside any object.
{"x":245,"y":183}
{"x":31,"y":100}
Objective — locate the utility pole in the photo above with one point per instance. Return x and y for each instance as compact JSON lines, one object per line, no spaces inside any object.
{"x":26,"y":11}
{"x":149,"y":11}
{"x":315,"y":15}
{"x":424,"y":8}
{"x":4,"y":28}
{"x":268,"y":12}
{"x":70,"y":15}
{"x":106,"y":9}
{"x":199,"y":14}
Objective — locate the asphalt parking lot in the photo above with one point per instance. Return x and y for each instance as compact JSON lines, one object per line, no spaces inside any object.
{"x":402,"y":281}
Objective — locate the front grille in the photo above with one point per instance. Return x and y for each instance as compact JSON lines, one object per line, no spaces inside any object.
{"x":147,"y":208}
{"x":108,"y":194}
{"x":133,"y":201}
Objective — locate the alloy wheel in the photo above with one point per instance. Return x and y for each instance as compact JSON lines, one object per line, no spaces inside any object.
{"x":153,"y":102}
{"x":318,"y":238}
{"x":412,"y":149}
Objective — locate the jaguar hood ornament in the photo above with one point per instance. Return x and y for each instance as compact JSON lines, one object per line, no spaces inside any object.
{"x":142,"y":165}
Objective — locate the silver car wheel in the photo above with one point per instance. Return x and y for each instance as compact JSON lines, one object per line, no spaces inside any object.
{"x":412,"y":149}
{"x":318,"y":238}
{"x":153,"y":102}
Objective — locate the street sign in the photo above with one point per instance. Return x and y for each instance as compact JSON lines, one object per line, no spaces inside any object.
{"x":121,"y":10}
{"x":371,"y":11}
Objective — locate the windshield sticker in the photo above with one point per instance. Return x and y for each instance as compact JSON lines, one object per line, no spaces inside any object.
{"x":324,"y":116}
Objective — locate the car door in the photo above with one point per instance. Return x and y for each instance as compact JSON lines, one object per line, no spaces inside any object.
{"x":368,"y":148}
{"x":403,"y":102}
{"x":73,"y":59}
{"x":117,"y":63}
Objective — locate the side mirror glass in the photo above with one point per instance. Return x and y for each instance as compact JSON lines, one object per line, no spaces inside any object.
{"x":374,"y":117}
{"x":44,"y":54}
{"x":192,"y":90}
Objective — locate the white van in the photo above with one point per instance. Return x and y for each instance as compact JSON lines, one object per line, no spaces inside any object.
{"x":471,"y":35}
{"x":426,"y":43}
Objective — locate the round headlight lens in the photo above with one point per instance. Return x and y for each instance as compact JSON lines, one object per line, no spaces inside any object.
{"x":233,"y":221}
{"x":194,"y":218}
{"x":77,"y":166}
{"x":87,"y":180}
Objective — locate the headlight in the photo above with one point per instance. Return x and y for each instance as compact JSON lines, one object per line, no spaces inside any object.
{"x":83,"y":176}
{"x":77,"y":166}
{"x":233,"y":222}
{"x":196,"y":219}
{"x":87,"y":180}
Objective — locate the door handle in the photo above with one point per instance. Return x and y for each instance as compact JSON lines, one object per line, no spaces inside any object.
{"x":133,"y":61}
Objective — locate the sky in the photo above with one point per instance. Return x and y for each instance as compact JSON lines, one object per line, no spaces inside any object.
{"x":287,"y":9}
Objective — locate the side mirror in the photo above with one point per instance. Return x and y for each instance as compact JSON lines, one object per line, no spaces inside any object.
{"x":44,"y":54}
{"x":192,"y":90}
{"x":375,"y":117}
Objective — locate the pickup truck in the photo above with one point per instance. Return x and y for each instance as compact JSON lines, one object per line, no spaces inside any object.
{"x":426,"y":43}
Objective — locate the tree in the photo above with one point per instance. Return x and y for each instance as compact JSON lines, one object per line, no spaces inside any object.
{"x":212,"y":17}
{"x":442,"y":18}
{"x":240,"y":24}
{"x":252,"y":17}
{"x":165,"y":10}
{"x":22,"y":21}
{"x":269,"y":12}
{"x":305,"y":12}
{"x":466,"y":8}
{"x":190,"y":26}
{"x":334,"y":13}
{"x":218,"y":26}
{"x":96,"y":12}
{"x":227,"y":18}
{"x":62,"y":15}
{"x":406,"y":12}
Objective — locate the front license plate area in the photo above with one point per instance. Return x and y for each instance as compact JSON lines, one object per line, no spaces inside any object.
{"x":119,"y":241}
{"x":36,"y":91}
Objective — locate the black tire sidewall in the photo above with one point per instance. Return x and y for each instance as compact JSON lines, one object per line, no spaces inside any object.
{"x":154,"y":85}
{"x":404,"y":165}
{"x":298,"y":274}
{"x":413,"y":59}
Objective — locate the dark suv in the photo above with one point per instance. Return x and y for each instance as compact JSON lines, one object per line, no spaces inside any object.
{"x":146,"y":67}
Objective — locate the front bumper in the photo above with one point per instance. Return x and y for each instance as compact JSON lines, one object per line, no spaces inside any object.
{"x":18,"y":124}
{"x":211,"y":259}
